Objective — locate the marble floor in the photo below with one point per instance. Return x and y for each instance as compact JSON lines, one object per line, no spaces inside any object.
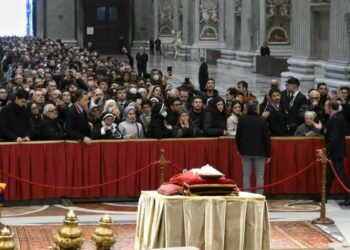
{"x":125,"y":213}
{"x":258,"y":84}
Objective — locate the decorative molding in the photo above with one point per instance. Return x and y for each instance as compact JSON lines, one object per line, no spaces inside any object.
{"x":209,"y":20}
{"x":166,"y":17}
{"x":278,"y":21}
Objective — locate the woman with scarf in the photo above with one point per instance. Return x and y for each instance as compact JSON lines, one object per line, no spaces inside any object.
{"x":214,"y":123}
{"x":107,"y":129}
{"x":130,"y":128}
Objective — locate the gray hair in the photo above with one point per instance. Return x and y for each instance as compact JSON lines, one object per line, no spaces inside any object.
{"x":310,"y":113}
{"x":47,"y":108}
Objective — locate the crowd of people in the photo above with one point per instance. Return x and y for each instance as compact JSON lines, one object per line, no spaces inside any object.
{"x":50,"y":91}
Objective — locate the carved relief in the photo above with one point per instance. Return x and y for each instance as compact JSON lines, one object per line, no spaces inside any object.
{"x":209,"y":19}
{"x":277,"y":21}
{"x":166,"y":17}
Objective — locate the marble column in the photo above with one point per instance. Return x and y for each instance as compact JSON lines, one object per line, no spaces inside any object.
{"x":232,"y":32}
{"x":300,"y":64}
{"x":57,"y":19}
{"x":145,"y":18}
{"x":337,"y":67}
{"x":187,"y":26}
{"x":243,"y":55}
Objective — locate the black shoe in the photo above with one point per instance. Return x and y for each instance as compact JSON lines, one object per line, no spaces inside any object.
{"x":345,"y":203}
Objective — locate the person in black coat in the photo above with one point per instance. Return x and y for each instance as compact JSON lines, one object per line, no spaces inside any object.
{"x":214,"y":122}
{"x":173,"y":111}
{"x":158,"y":128}
{"x":184,"y":128}
{"x":275,"y":114}
{"x":292,"y":100}
{"x":335,"y":133}
{"x":142,"y":59}
{"x":264,"y":50}
{"x":51,"y":128}
{"x":77,"y":123}
{"x":151,"y":46}
{"x":254,"y":144}
{"x":14,"y":119}
{"x":203,"y":74}
{"x":158,"y":44}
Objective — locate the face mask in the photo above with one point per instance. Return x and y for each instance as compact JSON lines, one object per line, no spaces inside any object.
{"x":163,"y":113}
{"x":156,"y":77}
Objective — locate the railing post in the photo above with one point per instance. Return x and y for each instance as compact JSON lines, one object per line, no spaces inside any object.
{"x":162,"y":164}
{"x":323,"y":219}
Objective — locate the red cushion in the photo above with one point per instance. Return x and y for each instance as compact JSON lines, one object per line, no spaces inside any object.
{"x":169,"y":189}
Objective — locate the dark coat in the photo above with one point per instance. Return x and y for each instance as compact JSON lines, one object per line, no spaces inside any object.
{"x":293,"y":111}
{"x":179,"y":131}
{"x":197,"y":119}
{"x":141,"y":60}
{"x":14,"y":122}
{"x":252,"y":136}
{"x":77,"y":124}
{"x":214,"y":123}
{"x":51,"y":129}
{"x":172,"y":117}
{"x":157,"y":127}
{"x":110,"y":135}
{"x":335,"y":133}
{"x":277,"y":120}
{"x":203,"y":75}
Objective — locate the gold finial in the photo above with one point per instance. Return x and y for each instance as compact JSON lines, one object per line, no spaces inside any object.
{"x":70,"y":236}
{"x":103,"y":235}
{"x":6,"y":239}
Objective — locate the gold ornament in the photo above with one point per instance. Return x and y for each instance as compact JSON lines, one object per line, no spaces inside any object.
{"x":69,"y":237}
{"x":6,"y":240}
{"x":103,"y":235}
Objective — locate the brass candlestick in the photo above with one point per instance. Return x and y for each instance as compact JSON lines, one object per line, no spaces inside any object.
{"x":70,"y":236}
{"x":6,"y":240}
{"x":103,"y":235}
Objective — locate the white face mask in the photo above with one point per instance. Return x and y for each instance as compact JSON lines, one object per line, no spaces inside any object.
{"x":163,"y":113}
{"x":156,"y":77}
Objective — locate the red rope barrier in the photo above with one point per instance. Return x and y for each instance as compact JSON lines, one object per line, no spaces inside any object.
{"x":78,"y":187}
{"x":283,"y":180}
{"x":271,"y":184}
{"x":337,"y":177}
{"x":174,"y":166}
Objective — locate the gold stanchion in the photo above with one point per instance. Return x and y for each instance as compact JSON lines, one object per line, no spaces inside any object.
{"x":162,"y":164}
{"x":323,"y":219}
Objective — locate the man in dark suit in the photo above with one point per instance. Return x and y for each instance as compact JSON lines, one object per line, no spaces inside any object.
{"x":253,"y":143}
{"x":77,"y":123}
{"x":203,"y":74}
{"x":292,"y":100}
{"x":275,"y":114}
{"x":14,"y":119}
{"x":264,"y":50}
{"x":335,"y":133}
{"x":142,"y":59}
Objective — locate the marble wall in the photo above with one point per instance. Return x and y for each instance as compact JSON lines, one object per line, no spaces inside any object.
{"x":57,"y":19}
{"x":312,"y":34}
